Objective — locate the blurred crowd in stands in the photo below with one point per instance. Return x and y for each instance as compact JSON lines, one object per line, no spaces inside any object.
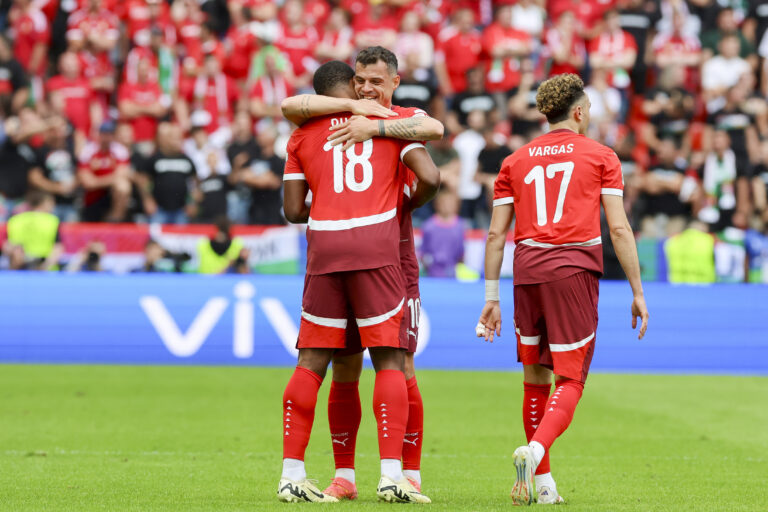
{"x":169,"y":110}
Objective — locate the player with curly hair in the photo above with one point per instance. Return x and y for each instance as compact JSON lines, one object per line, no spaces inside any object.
{"x":555,"y":185}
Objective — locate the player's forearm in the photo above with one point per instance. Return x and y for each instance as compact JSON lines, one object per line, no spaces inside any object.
{"x":494,"y":255}
{"x":626,"y":250}
{"x":305,"y":106}
{"x":412,"y":128}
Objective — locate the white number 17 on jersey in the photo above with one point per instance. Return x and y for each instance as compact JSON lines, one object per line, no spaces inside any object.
{"x":536,"y":176}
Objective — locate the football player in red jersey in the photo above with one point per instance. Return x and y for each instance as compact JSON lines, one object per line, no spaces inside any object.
{"x":353,"y":241}
{"x":555,"y":185}
{"x":374,"y":81}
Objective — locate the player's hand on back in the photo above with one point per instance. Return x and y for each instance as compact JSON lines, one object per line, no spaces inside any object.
{"x":490,"y":321}
{"x":366,"y":107}
{"x":640,"y":310}
{"x":353,"y":130}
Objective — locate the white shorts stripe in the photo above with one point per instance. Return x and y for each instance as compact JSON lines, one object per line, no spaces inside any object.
{"x":340,"y":323}
{"x":356,"y":222}
{"x":294,"y":176}
{"x":528,"y":340}
{"x":570,"y":346}
{"x":503,"y":200}
{"x":367,"y":322}
{"x":409,"y":147}
{"x":588,"y":243}
{"x":612,"y":192}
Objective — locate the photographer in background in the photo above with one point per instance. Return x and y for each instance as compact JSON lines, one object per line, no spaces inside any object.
{"x":221,"y":253}
{"x":33,"y":236}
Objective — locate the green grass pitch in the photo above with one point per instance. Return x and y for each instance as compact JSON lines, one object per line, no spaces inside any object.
{"x":127,"y":438}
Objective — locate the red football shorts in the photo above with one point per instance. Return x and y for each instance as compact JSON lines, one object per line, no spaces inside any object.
{"x":373,"y":299}
{"x":409,"y":328}
{"x":556,"y":324}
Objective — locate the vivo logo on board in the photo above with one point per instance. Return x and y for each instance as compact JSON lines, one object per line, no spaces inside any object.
{"x":187,"y":344}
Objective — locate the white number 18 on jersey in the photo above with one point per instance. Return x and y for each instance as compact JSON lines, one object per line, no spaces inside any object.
{"x":346,"y":174}
{"x":536,"y":176}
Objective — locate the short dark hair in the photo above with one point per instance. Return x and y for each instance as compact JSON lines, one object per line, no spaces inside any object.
{"x":331,"y":75}
{"x":557,"y":95}
{"x":374,"y":54}
{"x":35,"y":198}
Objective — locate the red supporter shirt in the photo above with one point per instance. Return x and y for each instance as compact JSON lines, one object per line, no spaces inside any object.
{"x":84,"y":22}
{"x":610,"y":45}
{"x":502,"y":75}
{"x":272,"y":91}
{"x":216,"y":95}
{"x":144,"y":127}
{"x":353,"y":221}
{"x":555,"y":183}
{"x":101,"y":163}
{"x":460,"y":52}
{"x":239,"y":45}
{"x":299,"y":47}
{"x":578,"y":50}
{"x":30,"y":29}
{"x":77,"y":95}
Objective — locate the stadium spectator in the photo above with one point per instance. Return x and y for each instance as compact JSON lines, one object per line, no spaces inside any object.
{"x":336,"y":43}
{"x":14,"y":83}
{"x":105,"y":175}
{"x":529,"y":16}
{"x":200,"y":145}
{"x":17,"y":159}
{"x":664,"y":213}
{"x":298,"y":40}
{"x":722,"y":72}
{"x":212,"y":92}
{"x":691,"y":255}
{"x":55,"y":171}
{"x":475,"y":97}
{"x":489,"y":160}
{"x":670,"y":110}
{"x":760,"y":183}
{"x":613,"y":50}
{"x":639,"y":18}
{"x":605,"y":108}
{"x":263,"y":177}
{"x":89,"y":258}
{"x":678,"y":49}
{"x":221,"y":253}
{"x":442,"y":237}
{"x":411,"y":41}
{"x":565,"y":47}
{"x":417,"y":87}
{"x":271,"y":84}
{"x":33,"y":236}
{"x":31,"y":36}
{"x":446,"y":159}
{"x":506,"y":46}
{"x":375,"y":25}
{"x":211,"y":195}
{"x":727,"y":25}
{"x":71,"y":95}
{"x":143,"y":104}
{"x":459,"y":49}
{"x":719,"y":182}
{"x":468,"y":145}
{"x":239,"y":44}
{"x":527,"y":121}
{"x":167,"y":176}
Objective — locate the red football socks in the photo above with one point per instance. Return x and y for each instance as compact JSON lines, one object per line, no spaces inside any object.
{"x":344,"y":416}
{"x":299,"y":401}
{"x":535,"y":398}
{"x":390,"y":406}
{"x":414,"y":429}
{"x":559,"y":413}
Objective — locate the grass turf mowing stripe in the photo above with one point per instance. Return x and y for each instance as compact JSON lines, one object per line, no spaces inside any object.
{"x":201,"y":438}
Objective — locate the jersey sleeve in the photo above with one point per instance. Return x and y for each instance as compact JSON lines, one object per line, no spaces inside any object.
{"x":502,"y":187}
{"x":293,"y":168}
{"x":612,"y":181}
{"x":407,"y":146}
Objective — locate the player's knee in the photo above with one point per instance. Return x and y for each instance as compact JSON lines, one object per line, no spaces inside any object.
{"x":408,"y":368}
{"x":315,"y":360}
{"x":386,"y":358}
{"x":347,"y":368}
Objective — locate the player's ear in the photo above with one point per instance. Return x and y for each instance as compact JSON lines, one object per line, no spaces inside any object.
{"x":396,"y":81}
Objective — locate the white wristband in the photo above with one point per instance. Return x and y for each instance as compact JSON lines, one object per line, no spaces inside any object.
{"x":491,"y":290}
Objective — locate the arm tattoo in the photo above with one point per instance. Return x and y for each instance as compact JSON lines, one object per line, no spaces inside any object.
{"x":306,"y":113}
{"x":382,"y":130}
{"x":407,"y":129}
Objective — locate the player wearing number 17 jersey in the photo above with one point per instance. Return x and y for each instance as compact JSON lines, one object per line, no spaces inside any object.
{"x":555,"y":185}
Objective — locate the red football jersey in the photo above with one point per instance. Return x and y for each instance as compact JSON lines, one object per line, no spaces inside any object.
{"x":101,"y":163}
{"x":555,"y":183}
{"x":353,"y":222}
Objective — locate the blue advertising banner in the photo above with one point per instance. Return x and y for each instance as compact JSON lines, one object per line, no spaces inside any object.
{"x":253,"y":320}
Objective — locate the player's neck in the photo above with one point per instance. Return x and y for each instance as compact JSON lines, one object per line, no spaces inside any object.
{"x":565,"y":125}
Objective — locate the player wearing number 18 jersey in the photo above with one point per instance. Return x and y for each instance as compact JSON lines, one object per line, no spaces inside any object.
{"x":353,"y":266}
{"x":555,"y":185}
